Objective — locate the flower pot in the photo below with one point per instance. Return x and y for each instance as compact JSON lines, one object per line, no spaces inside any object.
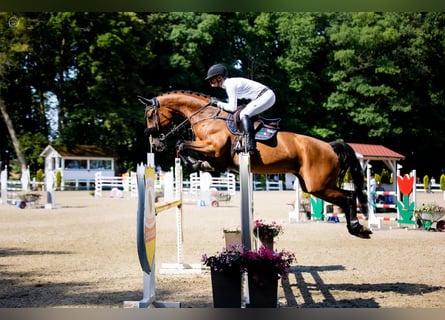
{"x":232,"y":238}
{"x":226,"y":289}
{"x":267,"y":242}
{"x":263,"y":289}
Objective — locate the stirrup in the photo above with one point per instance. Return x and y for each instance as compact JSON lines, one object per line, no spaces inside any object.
{"x":251,"y":150}
{"x":239,"y":147}
{"x":243,"y":148}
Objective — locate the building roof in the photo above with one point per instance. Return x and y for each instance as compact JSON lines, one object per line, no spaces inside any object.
{"x":81,"y":151}
{"x":375,"y":152}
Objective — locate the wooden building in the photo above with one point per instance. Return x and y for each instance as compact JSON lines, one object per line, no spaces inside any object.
{"x":79,"y":164}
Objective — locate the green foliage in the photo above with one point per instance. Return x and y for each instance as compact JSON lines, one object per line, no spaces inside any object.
{"x":14,"y":170}
{"x":385,"y":176}
{"x":32,"y":145}
{"x":372,"y":77}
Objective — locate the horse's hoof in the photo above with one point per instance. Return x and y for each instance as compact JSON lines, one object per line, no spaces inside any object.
{"x":180,"y":145}
{"x":360,"y":231}
{"x":364,"y":235}
{"x":196,"y":166}
{"x":205,"y":166}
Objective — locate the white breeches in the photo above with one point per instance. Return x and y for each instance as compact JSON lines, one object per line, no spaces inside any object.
{"x":262,"y":103}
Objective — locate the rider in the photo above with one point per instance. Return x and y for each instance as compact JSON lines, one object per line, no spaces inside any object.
{"x":261,"y":98}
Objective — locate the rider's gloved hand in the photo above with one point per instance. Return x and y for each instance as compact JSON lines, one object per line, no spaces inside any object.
{"x":213,"y":102}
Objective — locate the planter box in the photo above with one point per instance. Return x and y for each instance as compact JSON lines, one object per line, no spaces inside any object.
{"x":232,"y":238}
{"x":226,"y":289}
{"x":263,"y":293}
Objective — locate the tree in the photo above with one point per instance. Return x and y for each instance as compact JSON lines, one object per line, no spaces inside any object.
{"x":303,"y":64}
{"x":386,"y":75}
{"x":354,"y":76}
{"x":13,"y":41}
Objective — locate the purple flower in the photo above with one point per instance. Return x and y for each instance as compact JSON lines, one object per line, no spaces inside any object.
{"x":275,"y":262}
{"x":264,"y":230}
{"x":230,"y":259}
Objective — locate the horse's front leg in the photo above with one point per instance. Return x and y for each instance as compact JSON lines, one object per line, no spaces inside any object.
{"x":205,"y":148}
{"x":190,"y":162}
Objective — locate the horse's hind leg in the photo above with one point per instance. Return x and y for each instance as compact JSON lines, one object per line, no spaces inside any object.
{"x":353,"y":225}
{"x":346,"y":200}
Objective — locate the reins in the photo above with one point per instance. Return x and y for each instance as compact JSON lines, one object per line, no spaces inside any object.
{"x":162,"y":137}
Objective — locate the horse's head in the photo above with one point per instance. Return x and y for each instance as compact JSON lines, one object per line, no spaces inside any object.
{"x":159,"y":112}
{"x":156,"y":118}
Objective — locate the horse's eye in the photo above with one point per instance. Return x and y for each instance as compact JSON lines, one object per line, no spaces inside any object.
{"x":149,"y":114}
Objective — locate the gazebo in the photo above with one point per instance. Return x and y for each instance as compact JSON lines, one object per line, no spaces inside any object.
{"x":374,"y":152}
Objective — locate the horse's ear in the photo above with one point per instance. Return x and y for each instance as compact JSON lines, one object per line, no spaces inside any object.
{"x":145,"y":101}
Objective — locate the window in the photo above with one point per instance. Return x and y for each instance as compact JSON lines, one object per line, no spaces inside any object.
{"x":74,"y":164}
{"x":100,"y":164}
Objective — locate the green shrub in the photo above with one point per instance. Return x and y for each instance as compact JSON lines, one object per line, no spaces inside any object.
{"x":385,"y":177}
{"x":377,"y":178}
{"x":39,"y":175}
{"x":442,"y":182}
{"x":426,"y":182}
{"x":58,"y":179}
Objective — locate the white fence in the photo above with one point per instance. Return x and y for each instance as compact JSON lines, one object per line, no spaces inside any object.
{"x":10,"y":189}
{"x":123,"y":182}
{"x":226,"y":183}
{"x":271,"y":184}
{"x":434,"y":188}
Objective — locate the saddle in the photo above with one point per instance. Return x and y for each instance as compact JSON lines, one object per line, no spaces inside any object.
{"x":264,"y":128}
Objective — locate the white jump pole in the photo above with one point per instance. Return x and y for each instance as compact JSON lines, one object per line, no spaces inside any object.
{"x":179,"y":267}
{"x":294,"y":215}
{"x":4,"y":185}
{"x":50,"y":190}
{"x":246,"y":200}
{"x":372,"y":219}
{"x":414,"y":174}
{"x":246,"y":209}
{"x":179,"y":221}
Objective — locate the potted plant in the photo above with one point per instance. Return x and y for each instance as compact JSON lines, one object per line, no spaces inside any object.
{"x":226,"y":268}
{"x":232,"y":236}
{"x":266,"y":232}
{"x":264,"y":268}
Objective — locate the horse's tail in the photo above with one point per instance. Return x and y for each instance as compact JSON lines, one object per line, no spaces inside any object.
{"x":348,"y":159}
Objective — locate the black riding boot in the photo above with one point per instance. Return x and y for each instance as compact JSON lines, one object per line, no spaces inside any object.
{"x":249,"y":135}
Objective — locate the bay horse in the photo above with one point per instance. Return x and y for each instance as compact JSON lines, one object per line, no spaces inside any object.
{"x":319,"y":166}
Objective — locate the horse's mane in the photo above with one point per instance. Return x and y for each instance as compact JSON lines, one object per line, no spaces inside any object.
{"x":188,"y":92}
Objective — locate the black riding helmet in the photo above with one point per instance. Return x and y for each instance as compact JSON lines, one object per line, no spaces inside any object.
{"x":216,"y":70}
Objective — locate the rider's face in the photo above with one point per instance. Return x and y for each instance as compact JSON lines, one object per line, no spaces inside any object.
{"x":215,"y":81}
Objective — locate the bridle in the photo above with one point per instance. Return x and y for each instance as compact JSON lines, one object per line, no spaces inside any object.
{"x":153,"y":104}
